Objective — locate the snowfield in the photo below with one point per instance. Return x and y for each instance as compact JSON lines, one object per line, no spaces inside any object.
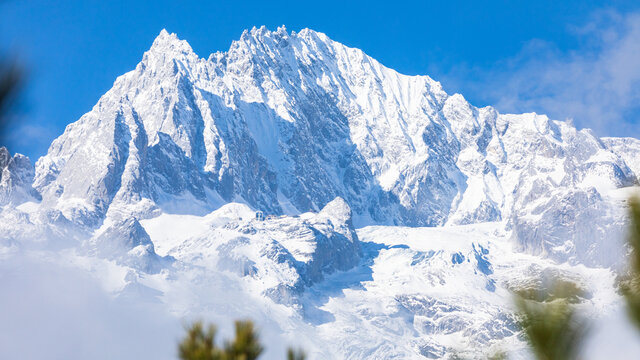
{"x":399,"y":218}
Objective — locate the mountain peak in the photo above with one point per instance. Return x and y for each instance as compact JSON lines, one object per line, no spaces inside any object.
{"x":261,"y":32}
{"x":167,"y":42}
{"x":16,"y":177}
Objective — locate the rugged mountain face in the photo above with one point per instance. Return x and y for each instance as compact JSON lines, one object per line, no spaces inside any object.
{"x":127,"y":243}
{"x":280,"y":257}
{"x":16,"y":177}
{"x":628,"y":149}
{"x":286,"y":122}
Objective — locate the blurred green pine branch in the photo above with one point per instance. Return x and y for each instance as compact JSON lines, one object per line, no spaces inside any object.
{"x":200,"y":344}
{"x":630,"y":284}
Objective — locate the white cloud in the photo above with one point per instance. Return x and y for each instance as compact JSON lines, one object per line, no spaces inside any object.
{"x":29,"y":139}
{"x":57,"y":305}
{"x":50,"y":311}
{"x":597,"y":85}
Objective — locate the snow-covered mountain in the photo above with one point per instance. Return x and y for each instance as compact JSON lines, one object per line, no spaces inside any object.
{"x":16,"y":178}
{"x":286,"y":122}
{"x":342,"y":154}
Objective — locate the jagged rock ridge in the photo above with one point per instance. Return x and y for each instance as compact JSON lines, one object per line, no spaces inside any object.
{"x":16,"y":177}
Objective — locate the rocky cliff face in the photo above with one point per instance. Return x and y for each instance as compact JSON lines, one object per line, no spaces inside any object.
{"x":629,"y":150}
{"x":16,"y":177}
{"x":280,"y":256}
{"x":127,"y":243}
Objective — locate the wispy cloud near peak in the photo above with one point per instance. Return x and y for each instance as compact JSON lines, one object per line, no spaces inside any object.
{"x":597,"y":84}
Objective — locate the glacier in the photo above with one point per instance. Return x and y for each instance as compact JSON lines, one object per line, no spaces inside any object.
{"x":398,"y":217}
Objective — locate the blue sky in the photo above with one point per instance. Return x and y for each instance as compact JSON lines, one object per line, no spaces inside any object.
{"x":569,"y":59}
